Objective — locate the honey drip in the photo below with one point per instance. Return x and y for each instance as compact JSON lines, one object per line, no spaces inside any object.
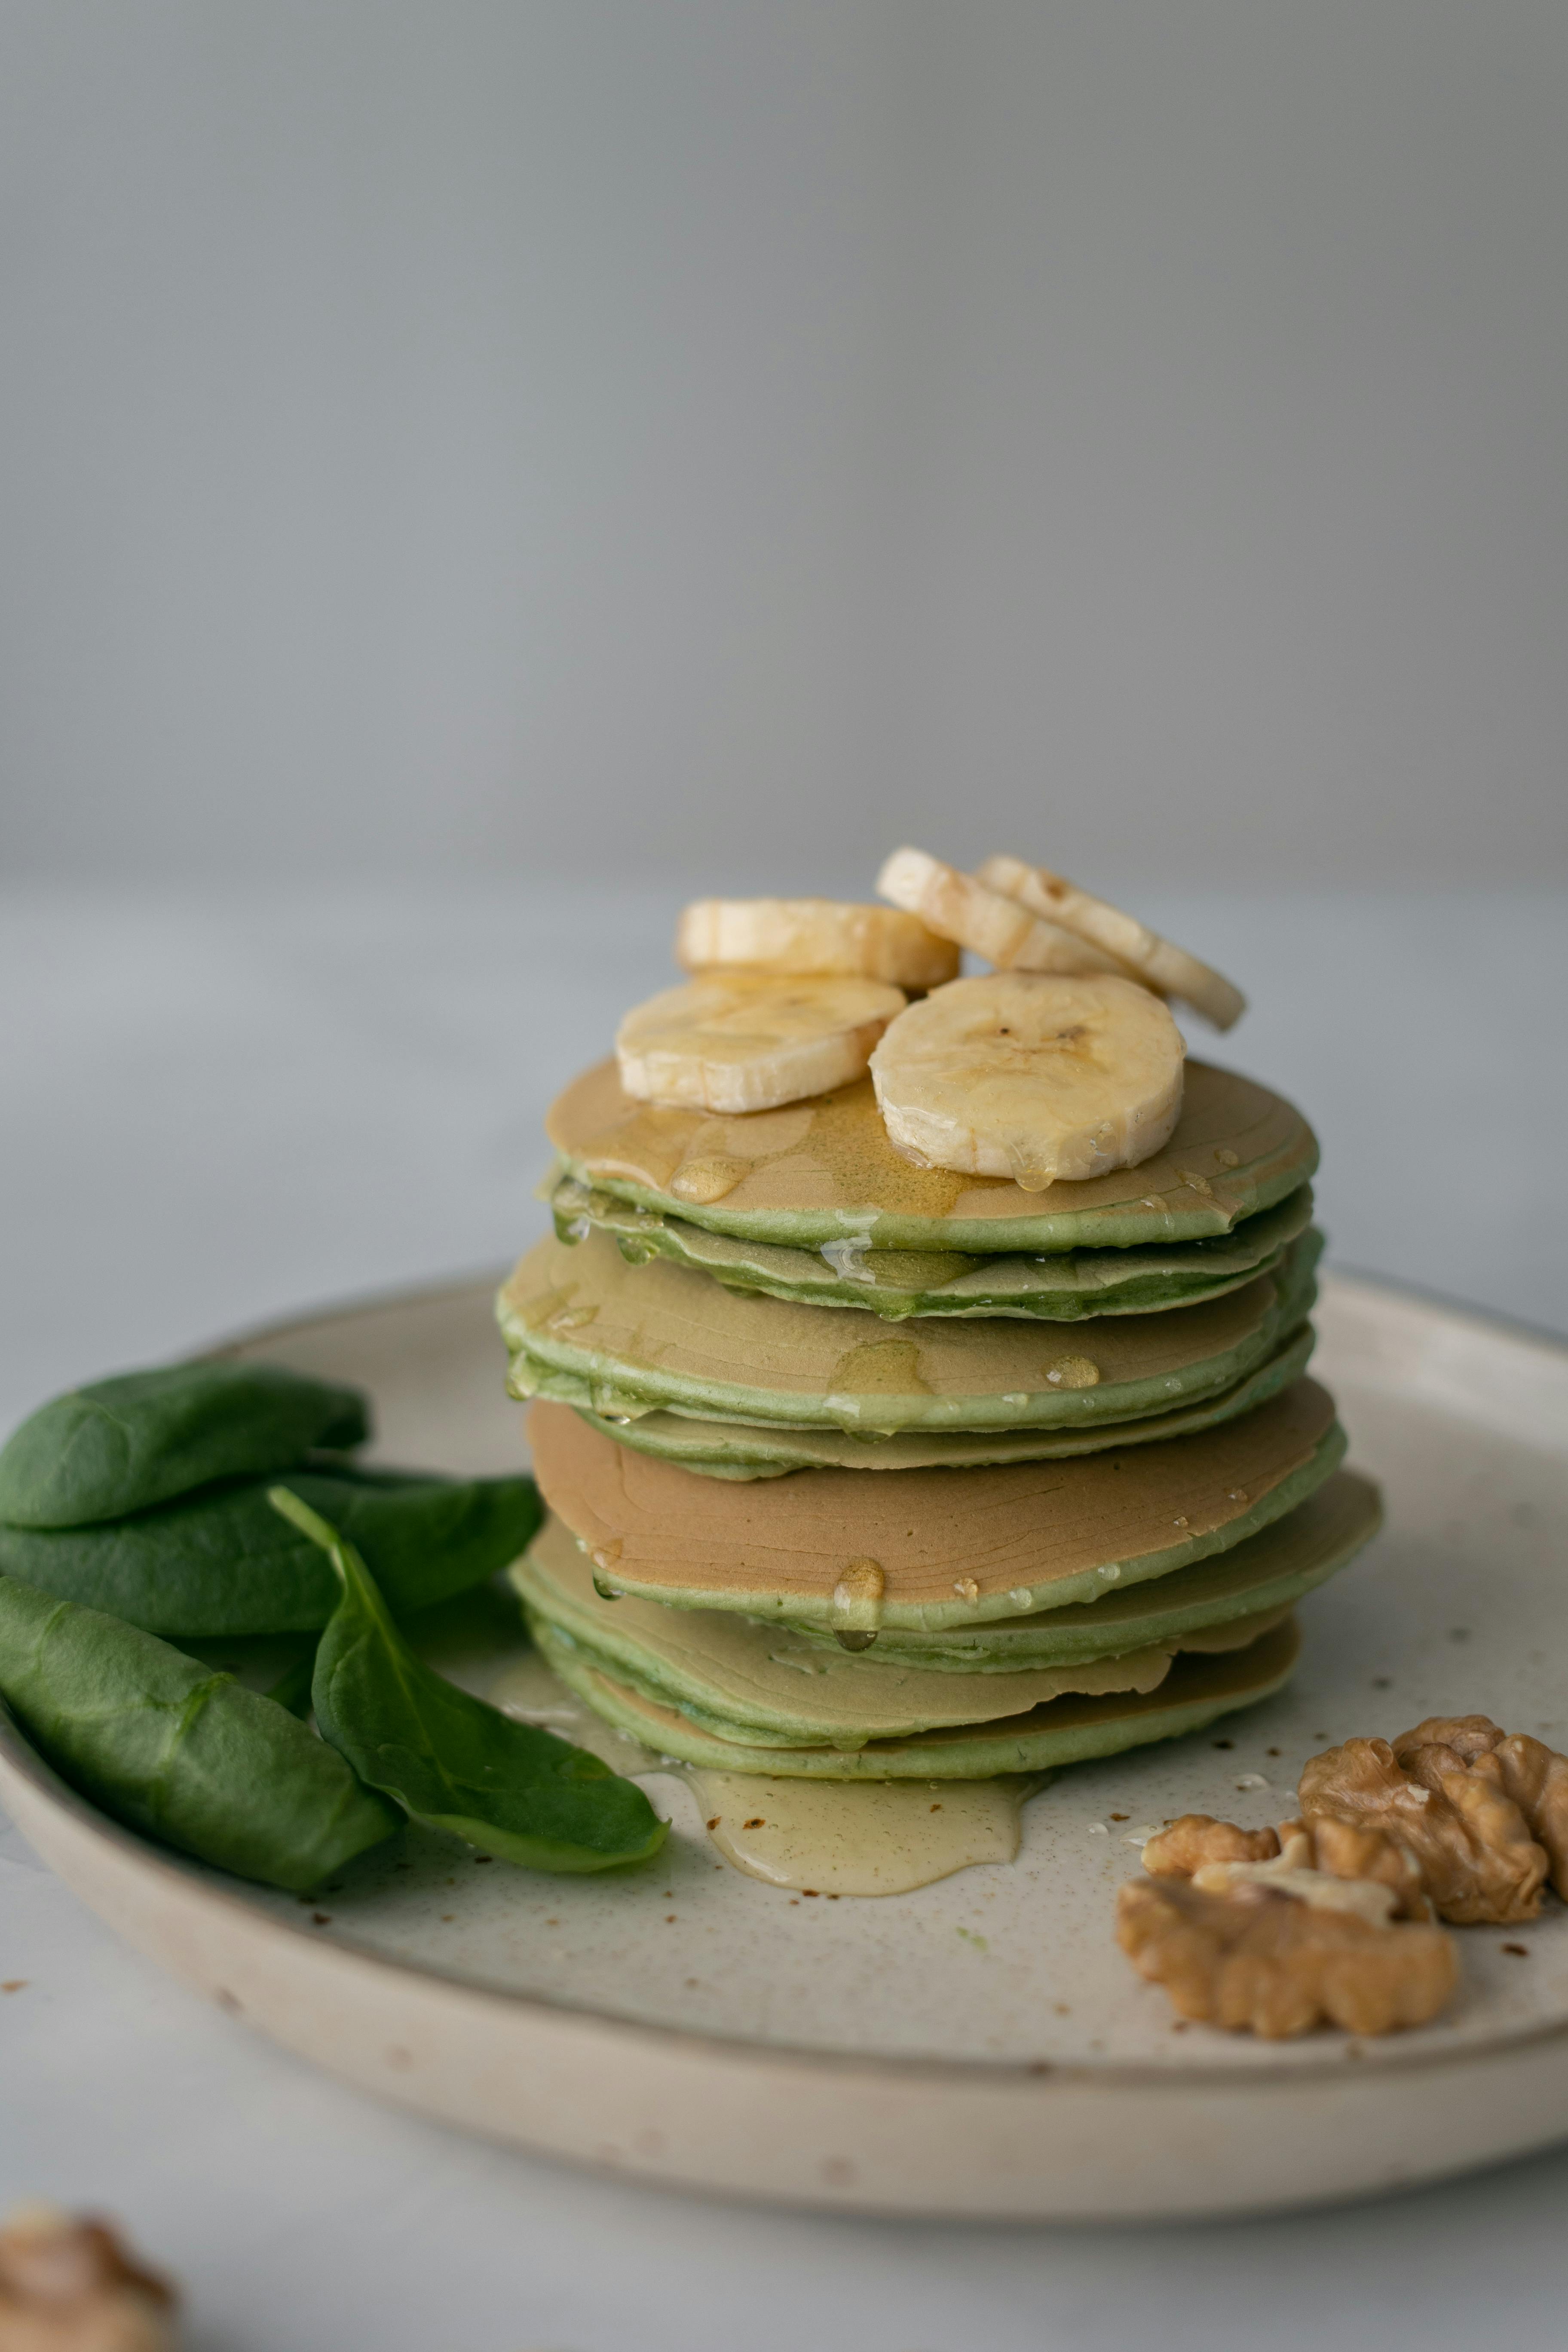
{"x":569,"y":1318}
{"x":857,"y":1607}
{"x":878,"y":1367}
{"x":1027,"y":1170}
{"x":824,"y":1837}
{"x":834,"y":1153}
{"x":604,"y":1556}
{"x":541,"y":1312}
{"x":860,"y":1837}
{"x":847,"y":1257}
{"x":701,"y":1181}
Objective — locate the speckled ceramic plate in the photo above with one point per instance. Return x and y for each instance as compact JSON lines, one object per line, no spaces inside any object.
{"x":977,"y":2047}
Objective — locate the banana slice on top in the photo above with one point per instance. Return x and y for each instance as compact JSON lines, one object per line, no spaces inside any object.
{"x":736,"y":1041}
{"x":985,"y":919}
{"x":1039,"y":1076}
{"x":1155,"y":962}
{"x":816,"y":936}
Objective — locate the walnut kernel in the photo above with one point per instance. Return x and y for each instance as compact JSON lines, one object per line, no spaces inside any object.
{"x":1218,"y":1854}
{"x":69,"y":2285}
{"x":1185,"y":1846}
{"x":1258,"y":1960}
{"x":1484,"y":1816}
{"x":1534,"y":1775}
{"x":1351,"y":1849}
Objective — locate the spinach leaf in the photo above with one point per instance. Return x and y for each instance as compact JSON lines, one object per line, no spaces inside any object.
{"x":180,"y":1752}
{"x":223,"y":1563}
{"x":291,"y":1690}
{"x":143,"y":1437}
{"x":513,"y":1790}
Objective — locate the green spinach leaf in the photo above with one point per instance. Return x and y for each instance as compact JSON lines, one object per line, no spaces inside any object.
{"x":291,"y":1690}
{"x":180,"y":1752}
{"x":123,"y":1445}
{"x":508,"y":1789}
{"x":223,"y":1563}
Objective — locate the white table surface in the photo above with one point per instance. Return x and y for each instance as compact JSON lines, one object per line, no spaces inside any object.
{"x":217,"y":1109}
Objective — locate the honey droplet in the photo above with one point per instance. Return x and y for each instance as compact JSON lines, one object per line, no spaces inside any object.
{"x":1025,"y":1168}
{"x":703,"y":1180}
{"x":543,"y":1312}
{"x":966,"y":1588}
{"x":611,"y":1403}
{"x":1196,"y":1182}
{"x":862,"y":1581}
{"x":606,"y":1554}
{"x":847,"y":1257}
{"x":569,"y":1318}
{"x":1181,"y":1520}
{"x":1227,"y":1157}
{"x":1238,"y":1495}
{"x":1021,"y":1597}
{"x":1073,"y":1372}
{"x":857,"y":1611}
{"x":876,"y":1368}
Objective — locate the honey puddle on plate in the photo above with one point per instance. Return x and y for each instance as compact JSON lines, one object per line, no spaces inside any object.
{"x":860,"y":1837}
{"x":818,"y":1837}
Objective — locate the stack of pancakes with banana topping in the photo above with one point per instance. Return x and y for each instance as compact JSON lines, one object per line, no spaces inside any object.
{"x":918,"y":1366}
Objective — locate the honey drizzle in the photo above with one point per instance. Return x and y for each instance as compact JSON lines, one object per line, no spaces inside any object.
{"x":818,"y":1837}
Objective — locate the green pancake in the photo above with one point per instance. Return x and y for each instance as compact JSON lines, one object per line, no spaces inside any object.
{"x":764,"y":1685}
{"x":585,"y":1329}
{"x":1197,"y":1692}
{"x":930,"y":1551}
{"x":1063,"y":1288}
{"x":1267,"y":1573}
{"x":738,"y":1449}
{"x":824,"y":1171}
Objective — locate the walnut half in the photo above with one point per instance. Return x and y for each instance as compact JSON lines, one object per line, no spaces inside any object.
{"x":1185,"y":1846}
{"x":1257,"y":1960}
{"x":1329,"y":1916}
{"x":1216,"y":1855}
{"x":69,"y":2285}
{"x":1484,"y":1815}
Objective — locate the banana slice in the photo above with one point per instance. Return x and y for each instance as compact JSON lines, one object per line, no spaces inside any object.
{"x":1032,"y":1075}
{"x":814,"y":935}
{"x":977,"y":917}
{"x":746,"y":1041}
{"x":1170,"y":970}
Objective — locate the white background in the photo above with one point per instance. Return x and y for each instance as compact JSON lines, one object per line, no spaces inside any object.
{"x":726,"y":435}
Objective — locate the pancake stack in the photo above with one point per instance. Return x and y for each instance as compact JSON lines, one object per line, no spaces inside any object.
{"x":861,"y":1469}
